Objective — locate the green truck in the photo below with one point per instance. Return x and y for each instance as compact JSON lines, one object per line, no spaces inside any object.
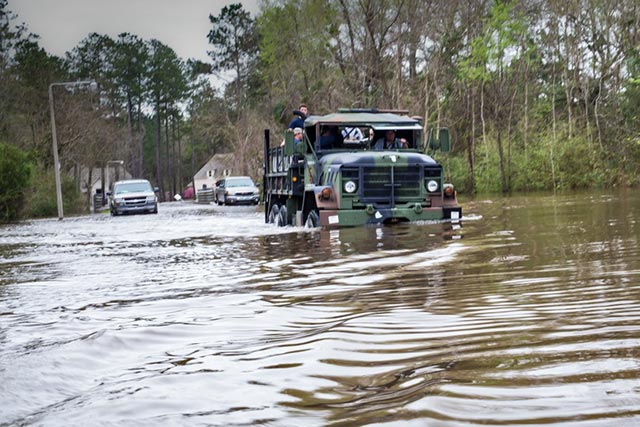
{"x":357,"y":167}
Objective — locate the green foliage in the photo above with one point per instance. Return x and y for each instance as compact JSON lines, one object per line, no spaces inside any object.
{"x":167,"y":74}
{"x":583,"y":165}
{"x":487,"y":171}
{"x":287,"y":34}
{"x":42,"y":201}
{"x":533,"y":170}
{"x":548,"y":164}
{"x":15,"y":174}
{"x":457,"y":172}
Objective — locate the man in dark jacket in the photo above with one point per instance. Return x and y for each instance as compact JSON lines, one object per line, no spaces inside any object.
{"x":301,"y":112}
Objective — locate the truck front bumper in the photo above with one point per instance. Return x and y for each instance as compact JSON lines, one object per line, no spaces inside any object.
{"x":355,"y":217}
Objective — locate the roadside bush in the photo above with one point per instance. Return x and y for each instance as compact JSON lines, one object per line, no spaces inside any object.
{"x":456,"y":171}
{"x":42,"y":201}
{"x":580,"y":165}
{"x":15,"y":173}
{"x":534,"y":171}
{"x":487,"y":171}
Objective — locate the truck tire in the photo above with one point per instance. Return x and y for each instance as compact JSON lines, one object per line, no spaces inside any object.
{"x":312,"y":220}
{"x":283,"y":217}
{"x":273,"y":214}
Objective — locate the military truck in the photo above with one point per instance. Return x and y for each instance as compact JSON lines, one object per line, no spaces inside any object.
{"x":340,"y":174}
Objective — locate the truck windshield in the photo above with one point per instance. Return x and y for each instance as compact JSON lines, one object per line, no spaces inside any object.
{"x":133,"y":187}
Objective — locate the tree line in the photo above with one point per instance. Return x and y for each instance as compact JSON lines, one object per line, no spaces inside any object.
{"x":538,"y":94}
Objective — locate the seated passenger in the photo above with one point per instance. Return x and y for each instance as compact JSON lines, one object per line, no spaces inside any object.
{"x":297,"y":136}
{"x":327,"y":138}
{"x":390,"y":142}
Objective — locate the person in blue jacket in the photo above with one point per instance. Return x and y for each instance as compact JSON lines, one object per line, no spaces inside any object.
{"x":301,"y":112}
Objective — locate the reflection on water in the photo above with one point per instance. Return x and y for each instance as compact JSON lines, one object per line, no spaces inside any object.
{"x":529,"y":314}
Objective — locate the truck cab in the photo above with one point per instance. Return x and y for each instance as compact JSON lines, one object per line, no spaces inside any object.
{"x":357,"y":167}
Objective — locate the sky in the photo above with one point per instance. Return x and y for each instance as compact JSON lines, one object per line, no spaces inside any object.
{"x":182,"y":25}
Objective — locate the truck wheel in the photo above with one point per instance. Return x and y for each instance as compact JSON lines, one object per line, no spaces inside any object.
{"x":273,"y":214}
{"x":283,"y":217}
{"x":312,"y":220}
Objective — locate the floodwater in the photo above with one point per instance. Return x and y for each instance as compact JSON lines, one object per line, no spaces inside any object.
{"x":528,"y":314}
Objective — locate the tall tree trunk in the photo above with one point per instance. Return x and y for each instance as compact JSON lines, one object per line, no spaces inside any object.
{"x":132,"y":147}
{"x":553,"y":126}
{"x":427,"y":97}
{"x":473,"y":136}
{"x":525,"y":132}
{"x":167,"y":164}
{"x":503,"y":176}
{"x":511,"y":108}
{"x":179,"y":159}
{"x":484,"y":122}
{"x":140,"y":138}
{"x":159,"y":148}
{"x":193,"y":157}
{"x":174,"y":189}
{"x":567,"y":86}
{"x":470,"y":140}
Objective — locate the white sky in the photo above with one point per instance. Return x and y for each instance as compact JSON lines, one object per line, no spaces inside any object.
{"x":182,"y":25}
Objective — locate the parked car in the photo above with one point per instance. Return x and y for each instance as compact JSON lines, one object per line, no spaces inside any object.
{"x":133,"y":196}
{"x":235,"y":190}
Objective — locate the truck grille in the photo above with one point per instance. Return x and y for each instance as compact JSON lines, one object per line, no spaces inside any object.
{"x":386,"y":185}
{"x":135,"y":201}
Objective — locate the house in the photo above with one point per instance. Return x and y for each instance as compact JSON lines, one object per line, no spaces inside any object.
{"x":112,"y":173}
{"x":90,"y":180}
{"x":217,"y":167}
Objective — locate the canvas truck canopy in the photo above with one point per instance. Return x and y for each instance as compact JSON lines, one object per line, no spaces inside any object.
{"x":376,"y":120}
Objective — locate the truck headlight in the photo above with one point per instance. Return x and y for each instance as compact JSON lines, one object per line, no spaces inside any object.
{"x":350,"y":186}
{"x":432,"y":186}
{"x":151,"y":199}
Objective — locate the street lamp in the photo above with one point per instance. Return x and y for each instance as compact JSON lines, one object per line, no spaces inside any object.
{"x":56,"y":162}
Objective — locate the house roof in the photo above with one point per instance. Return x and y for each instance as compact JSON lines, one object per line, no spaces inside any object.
{"x":218,"y":161}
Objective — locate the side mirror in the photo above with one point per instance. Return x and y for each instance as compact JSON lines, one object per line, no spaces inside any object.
{"x":156,"y":189}
{"x":442,"y":143}
{"x":108,"y":193}
{"x":445,"y":140}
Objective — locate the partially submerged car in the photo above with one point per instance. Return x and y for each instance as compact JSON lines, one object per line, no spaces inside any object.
{"x":133,"y":196}
{"x":236,"y":190}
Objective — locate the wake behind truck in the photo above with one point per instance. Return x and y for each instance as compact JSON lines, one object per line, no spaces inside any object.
{"x":340,"y":173}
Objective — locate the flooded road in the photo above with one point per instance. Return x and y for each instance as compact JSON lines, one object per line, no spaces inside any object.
{"x":202,"y":315}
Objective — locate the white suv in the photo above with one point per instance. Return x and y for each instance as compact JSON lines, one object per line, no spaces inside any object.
{"x":133,"y":196}
{"x":235,"y":190}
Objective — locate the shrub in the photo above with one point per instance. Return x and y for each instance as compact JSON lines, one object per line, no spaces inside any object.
{"x":42,"y":201}
{"x":15,"y":174}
